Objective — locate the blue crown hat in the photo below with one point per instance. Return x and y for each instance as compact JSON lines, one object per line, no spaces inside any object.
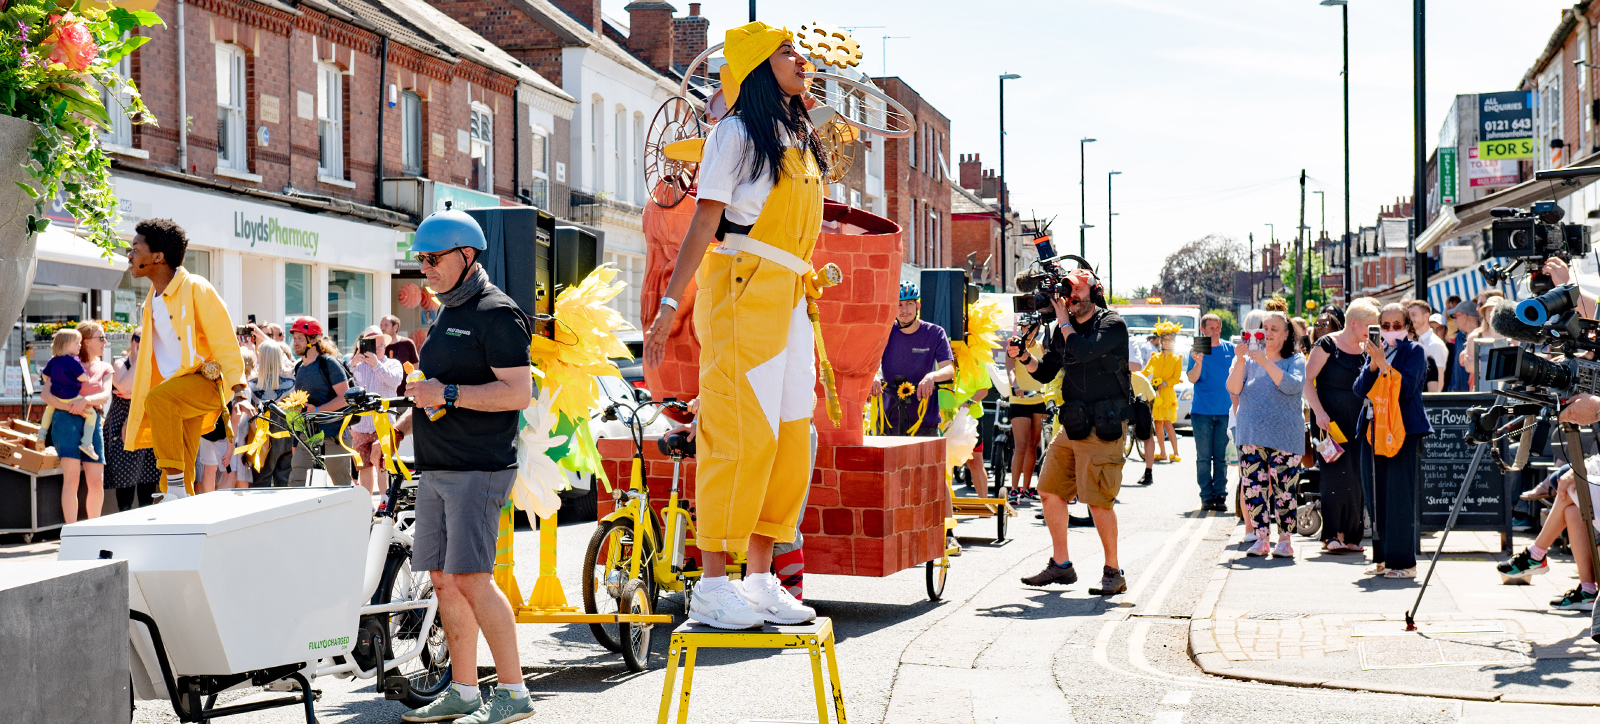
{"x":446,"y":230}
{"x":908,"y":291}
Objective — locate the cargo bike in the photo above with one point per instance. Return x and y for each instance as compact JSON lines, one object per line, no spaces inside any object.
{"x":274,"y":587}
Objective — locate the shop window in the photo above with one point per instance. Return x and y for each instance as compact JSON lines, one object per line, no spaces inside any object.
{"x":482,"y":177}
{"x":296,"y":290}
{"x":330,"y":122}
{"x":349,"y":307}
{"x":231,"y":131}
{"x":115,"y":100}
{"x":539,"y":176}
{"x":411,"y":133}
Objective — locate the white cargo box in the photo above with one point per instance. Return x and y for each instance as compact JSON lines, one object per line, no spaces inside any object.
{"x":240,"y":580}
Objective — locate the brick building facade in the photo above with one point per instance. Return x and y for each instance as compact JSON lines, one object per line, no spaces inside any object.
{"x":917,"y":181}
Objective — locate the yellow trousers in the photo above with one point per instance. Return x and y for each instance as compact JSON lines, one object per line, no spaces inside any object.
{"x":180,"y":410}
{"x":757,"y":374}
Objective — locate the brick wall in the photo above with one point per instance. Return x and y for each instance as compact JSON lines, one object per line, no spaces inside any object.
{"x":689,"y":36}
{"x":282,"y":53}
{"x":974,"y":234}
{"x":650,"y":33}
{"x":921,"y":189}
{"x":873,"y":509}
{"x":585,"y":11}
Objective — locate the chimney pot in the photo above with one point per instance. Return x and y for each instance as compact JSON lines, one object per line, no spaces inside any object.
{"x":694,"y":10}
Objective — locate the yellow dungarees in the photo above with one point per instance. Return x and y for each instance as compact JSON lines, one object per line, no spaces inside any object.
{"x":757,"y":373}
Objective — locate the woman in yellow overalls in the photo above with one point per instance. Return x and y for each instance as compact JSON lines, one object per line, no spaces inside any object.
{"x":1164,"y":371}
{"x":760,"y":194}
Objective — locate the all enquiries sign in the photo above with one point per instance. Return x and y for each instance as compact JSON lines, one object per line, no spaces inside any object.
{"x":1505,"y":125}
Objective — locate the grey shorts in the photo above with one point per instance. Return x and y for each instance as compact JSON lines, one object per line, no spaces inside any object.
{"x":458,"y":518}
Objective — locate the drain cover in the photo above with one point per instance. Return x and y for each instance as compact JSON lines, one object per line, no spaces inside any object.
{"x":1274,"y":616}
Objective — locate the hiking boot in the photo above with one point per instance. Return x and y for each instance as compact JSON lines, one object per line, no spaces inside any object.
{"x":722,"y":605}
{"x":1522,"y":565}
{"x":1111,"y":583}
{"x":503,"y":707}
{"x":448,"y":707}
{"x":1053,"y":573}
{"x":1576,"y":599}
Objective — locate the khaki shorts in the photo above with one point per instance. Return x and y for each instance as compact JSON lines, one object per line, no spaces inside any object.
{"x":1089,"y":470}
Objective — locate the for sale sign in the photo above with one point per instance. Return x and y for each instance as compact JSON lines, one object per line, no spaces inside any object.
{"x":1505,"y":125}
{"x":1485,"y":174}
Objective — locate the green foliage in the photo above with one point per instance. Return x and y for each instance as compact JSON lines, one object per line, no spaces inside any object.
{"x":64,"y":103}
{"x":1230,"y":323}
{"x":1311,"y":282}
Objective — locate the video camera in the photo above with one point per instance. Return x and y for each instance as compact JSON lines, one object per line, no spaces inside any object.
{"x":1531,"y":236}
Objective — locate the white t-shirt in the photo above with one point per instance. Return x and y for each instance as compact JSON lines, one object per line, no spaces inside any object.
{"x":1138,"y":352}
{"x":165,"y":344}
{"x":725,"y":172}
{"x":1436,"y":350}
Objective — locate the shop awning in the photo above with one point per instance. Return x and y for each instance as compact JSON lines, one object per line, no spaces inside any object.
{"x":69,"y":260}
{"x":1474,"y":215}
{"x":1464,"y":283}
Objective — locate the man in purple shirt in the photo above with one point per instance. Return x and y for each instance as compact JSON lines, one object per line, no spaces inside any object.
{"x":917,"y":354}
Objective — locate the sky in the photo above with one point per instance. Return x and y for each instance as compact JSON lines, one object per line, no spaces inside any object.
{"x":1209,"y":109}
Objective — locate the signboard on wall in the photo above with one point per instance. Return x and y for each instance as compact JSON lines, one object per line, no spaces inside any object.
{"x":1482,"y":173}
{"x":1447,"y":176}
{"x":1505,"y":125}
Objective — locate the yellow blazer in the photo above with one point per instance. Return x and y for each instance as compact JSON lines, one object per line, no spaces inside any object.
{"x":205,"y":332}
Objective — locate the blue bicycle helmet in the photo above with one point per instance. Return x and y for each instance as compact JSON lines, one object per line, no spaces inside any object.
{"x":446,"y":230}
{"x":908,"y":292}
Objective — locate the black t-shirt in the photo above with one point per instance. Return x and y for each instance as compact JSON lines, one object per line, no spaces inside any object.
{"x":463,"y":347}
{"x":1094,"y":360}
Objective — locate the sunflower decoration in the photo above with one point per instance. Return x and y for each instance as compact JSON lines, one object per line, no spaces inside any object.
{"x":585,"y":343}
{"x":294,"y":400}
{"x":1166,"y":327}
{"x":906,"y":390}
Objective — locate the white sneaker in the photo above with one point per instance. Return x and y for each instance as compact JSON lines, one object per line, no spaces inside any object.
{"x":774,"y":603}
{"x":722,"y":605}
{"x":1250,"y":537}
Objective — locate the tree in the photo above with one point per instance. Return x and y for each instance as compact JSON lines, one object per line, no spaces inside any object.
{"x":1140,"y":293}
{"x":1311,"y":283}
{"x":1230,"y":323}
{"x":1202,"y":272}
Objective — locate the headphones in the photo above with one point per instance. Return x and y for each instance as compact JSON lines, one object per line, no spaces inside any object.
{"x":1097,"y":290}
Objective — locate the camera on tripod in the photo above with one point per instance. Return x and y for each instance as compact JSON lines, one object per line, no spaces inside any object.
{"x":1531,"y":236}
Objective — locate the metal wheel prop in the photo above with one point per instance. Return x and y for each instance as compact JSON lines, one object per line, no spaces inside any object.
{"x":840,"y":144}
{"x":670,"y":179}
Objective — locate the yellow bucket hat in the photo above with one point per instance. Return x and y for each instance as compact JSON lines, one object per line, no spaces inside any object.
{"x":746,"y":48}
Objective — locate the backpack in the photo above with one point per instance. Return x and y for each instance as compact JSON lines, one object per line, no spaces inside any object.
{"x":327,"y":379}
{"x":1388,"y":430}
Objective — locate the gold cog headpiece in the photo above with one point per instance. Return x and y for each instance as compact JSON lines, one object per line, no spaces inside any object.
{"x":834,"y":46}
{"x":1166,"y":327}
{"x":746,"y":48}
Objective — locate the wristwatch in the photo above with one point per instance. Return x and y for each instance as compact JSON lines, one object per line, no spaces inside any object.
{"x":450,"y":394}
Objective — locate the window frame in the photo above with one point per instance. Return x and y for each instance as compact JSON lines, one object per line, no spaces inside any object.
{"x":480,"y":134}
{"x":233,"y":145}
{"x":411,"y":132}
{"x":539,"y":166}
{"x":330,"y":121}
{"x":121,"y":131}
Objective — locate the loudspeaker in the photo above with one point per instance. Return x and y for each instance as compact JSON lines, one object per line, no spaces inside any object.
{"x":944,"y":300}
{"x":578,"y":252}
{"x":521,"y":258}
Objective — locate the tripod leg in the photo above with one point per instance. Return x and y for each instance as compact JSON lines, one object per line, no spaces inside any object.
{"x":1580,"y":471}
{"x":1455,"y":510}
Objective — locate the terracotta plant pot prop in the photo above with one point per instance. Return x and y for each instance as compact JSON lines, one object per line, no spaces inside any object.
{"x":17,"y":243}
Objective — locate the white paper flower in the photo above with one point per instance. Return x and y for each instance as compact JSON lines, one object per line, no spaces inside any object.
{"x":539,"y":479}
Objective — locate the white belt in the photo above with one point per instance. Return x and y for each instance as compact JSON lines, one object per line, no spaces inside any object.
{"x":741,"y":244}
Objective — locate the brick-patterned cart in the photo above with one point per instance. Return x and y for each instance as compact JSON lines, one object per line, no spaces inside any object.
{"x":874,"y":509}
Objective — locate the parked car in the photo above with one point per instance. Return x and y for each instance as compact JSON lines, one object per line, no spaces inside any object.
{"x":578,"y":502}
{"x":632,"y":369}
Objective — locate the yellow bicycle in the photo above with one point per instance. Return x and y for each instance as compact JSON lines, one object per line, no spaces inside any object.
{"x":633,"y":555}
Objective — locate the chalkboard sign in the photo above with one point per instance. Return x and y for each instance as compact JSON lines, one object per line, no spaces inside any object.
{"x":1446,"y":455}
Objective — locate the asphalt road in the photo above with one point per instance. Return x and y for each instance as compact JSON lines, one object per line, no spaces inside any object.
{"x":992,"y":651}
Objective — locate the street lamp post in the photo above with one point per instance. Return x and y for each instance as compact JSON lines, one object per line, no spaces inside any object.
{"x":1272,"y":238}
{"x":1322,"y":234}
{"x":1344,"y":14}
{"x":1000,"y":184}
{"x":1110,"y":279}
{"x":1419,"y":116}
{"x":1083,"y":196}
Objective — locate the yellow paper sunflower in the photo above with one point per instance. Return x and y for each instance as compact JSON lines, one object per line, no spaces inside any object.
{"x":906,"y":390}
{"x":294,"y":400}
{"x":1167,"y":326}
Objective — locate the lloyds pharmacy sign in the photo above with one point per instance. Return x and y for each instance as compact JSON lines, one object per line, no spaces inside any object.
{"x":268,"y":230}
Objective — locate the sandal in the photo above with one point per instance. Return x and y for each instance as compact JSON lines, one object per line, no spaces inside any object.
{"x":1544,"y":490}
{"x":1376,"y":569}
{"x":1400,"y":573}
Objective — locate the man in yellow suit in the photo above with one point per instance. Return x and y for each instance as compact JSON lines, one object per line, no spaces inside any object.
{"x":760,"y":194}
{"x":189,"y":364}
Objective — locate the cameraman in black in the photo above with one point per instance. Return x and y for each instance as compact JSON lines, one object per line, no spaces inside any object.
{"x":1090,"y":349}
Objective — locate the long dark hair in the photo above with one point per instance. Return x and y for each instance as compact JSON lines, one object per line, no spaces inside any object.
{"x":765,"y":115}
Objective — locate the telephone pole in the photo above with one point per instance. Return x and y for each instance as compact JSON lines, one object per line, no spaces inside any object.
{"x":1299,"y":244}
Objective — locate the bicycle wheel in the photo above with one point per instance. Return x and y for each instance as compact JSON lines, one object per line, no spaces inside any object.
{"x":429,"y":672}
{"x":1000,"y":462}
{"x":605,"y":570}
{"x":636,"y":646}
{"x":936,"y":573}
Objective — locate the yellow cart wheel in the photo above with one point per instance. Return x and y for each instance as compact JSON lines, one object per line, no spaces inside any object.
{"x":936,"y":573}
{"x":636,"y":636}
